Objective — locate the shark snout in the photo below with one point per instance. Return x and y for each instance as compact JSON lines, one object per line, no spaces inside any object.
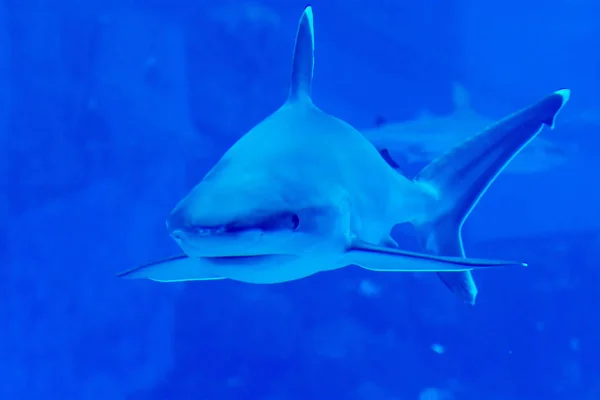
{"x":180,"y":226}
{"x":177,"y":223}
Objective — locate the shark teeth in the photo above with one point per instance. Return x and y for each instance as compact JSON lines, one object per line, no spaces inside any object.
{"x":208,"y":230}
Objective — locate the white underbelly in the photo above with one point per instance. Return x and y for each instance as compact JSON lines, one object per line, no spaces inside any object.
{"x":271,"y":269}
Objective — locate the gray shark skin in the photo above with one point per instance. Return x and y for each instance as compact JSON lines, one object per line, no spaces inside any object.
{"x":304,"y":192}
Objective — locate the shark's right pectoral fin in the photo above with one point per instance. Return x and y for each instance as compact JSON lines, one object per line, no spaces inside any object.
{"x":384,"y":259}
{"x":173,"y":269}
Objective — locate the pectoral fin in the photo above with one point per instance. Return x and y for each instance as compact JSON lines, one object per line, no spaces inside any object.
{"x":173,"y":269}
{"x":379,"y":258}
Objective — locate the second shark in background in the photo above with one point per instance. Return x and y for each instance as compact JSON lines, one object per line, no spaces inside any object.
{"x":422,"y":139}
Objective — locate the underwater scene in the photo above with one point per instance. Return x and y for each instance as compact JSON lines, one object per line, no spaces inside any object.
{"x":284,"y":200}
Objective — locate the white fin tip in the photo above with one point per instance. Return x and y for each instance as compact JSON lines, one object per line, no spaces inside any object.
{"x":308,"y":13}
{"x":565,"y":94}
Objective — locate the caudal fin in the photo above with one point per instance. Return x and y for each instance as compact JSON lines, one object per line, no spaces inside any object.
{"x":461,"y":176}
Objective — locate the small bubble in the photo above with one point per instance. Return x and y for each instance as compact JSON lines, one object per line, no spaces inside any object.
{"x":438,"y":348}
{"x":369,"y":289}
{"x":574,"y":344}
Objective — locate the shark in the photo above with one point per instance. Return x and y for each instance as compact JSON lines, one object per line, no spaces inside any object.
{"x":420,"y":140}
{"x":304,"y":192}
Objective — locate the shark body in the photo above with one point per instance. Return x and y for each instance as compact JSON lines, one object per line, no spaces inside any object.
{"x":424,"y":138}
{"x":304,"y":192}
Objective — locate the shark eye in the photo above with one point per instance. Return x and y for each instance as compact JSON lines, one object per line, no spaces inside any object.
{"x":295,"y":221}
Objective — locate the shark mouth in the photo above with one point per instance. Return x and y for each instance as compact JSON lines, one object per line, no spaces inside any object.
{"x":274,"y":234}
{"x":280,"y":222}
{"x":209,"y":230}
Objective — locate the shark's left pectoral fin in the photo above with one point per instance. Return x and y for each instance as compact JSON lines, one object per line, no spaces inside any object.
{"x":173,"y":269}
{"x":379,"y":258}
{"x":461,"y":176}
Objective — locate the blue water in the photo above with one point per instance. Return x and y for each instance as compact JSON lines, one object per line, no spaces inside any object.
{"x":110,"y":111}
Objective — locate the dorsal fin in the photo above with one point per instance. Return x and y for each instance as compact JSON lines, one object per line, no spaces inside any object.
{"x":303,"y":64}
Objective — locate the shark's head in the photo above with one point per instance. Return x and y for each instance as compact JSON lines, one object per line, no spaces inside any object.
{"x":267,"y":195}
{"x":245,"y":211}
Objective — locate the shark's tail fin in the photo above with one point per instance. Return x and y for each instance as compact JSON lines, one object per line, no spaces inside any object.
{"x":461,"y":176}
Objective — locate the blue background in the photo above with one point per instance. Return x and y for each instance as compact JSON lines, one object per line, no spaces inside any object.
{"x":111,"y":110}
